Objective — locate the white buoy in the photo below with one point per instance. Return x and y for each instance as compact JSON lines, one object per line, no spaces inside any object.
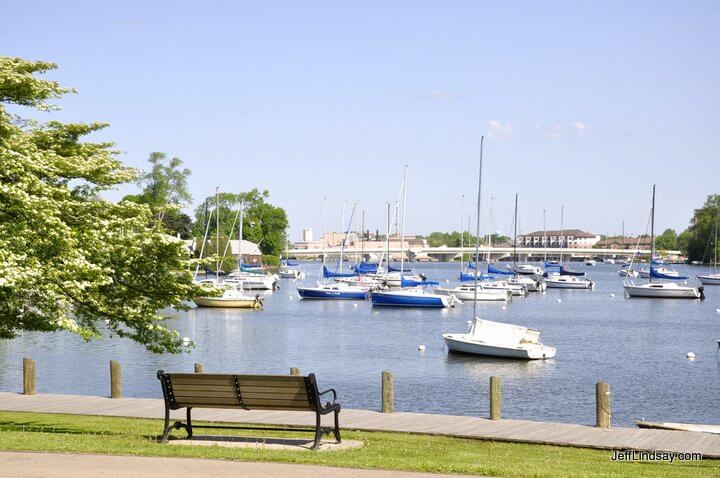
{"x":447,"y":281}
{"x":421,"y":347}
{"x":690,"y":356}
{"x":559,"y":300}
{"x":504,"y":307}
{"x":186,"y":341}
{"x":717,"y":311}
{"x":355,"y":305}
{"x":612,"y":295}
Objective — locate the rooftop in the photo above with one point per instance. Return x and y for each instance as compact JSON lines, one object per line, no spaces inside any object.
{"x":564,"y":232}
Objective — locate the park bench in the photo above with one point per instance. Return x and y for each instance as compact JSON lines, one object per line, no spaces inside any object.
{"x":246,"y":392}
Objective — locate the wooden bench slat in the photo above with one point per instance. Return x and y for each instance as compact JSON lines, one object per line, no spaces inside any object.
{"x":251,"y":402}
{"x":202,"y":393}
{"x":280,"y":390}
{"x":208,"y":388}
{"x":217,"y":382}
{"x":271,"y":383}
{"x":282,"y":396}
{"x":183,"y":402}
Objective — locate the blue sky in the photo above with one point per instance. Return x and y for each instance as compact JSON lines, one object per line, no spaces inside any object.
{"x":582,"y":103}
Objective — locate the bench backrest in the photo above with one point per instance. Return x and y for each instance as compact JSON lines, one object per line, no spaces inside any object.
{"x":250,"y":392}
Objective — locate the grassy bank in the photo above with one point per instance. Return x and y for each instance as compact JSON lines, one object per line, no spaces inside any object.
{"x":396,"y":451}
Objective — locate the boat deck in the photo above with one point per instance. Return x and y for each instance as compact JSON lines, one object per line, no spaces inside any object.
{"x":562,"y":434}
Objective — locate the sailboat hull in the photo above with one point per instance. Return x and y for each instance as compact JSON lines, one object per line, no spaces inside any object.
{"x":462,"y":343}
{"x":247,"y":303}
{"x":711,"y":279}
{"x":331,"y":294}
{"x":482,"y":294}
{"x":662,"y":291}
{"x":398,"y":299}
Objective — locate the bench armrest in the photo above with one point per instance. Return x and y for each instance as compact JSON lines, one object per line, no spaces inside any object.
{"x":329,"y":390}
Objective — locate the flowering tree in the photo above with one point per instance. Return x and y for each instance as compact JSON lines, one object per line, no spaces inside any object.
{"x":70,"y":260}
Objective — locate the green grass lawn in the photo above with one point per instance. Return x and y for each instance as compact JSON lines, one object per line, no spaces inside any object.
{"x":396,"y":451}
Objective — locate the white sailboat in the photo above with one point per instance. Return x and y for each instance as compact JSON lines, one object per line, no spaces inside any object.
{"x":496,"y":339}
{"x":243,"y":277}
{"x":714,"y":278}
{"x":660,"y":290}
{"x":232,"y":295}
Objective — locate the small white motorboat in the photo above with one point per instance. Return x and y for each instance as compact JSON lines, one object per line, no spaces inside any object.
{"x":628,"y":273}
{"x":591,"y":262}
{"x":291,"y":274}
{"x":467,"y":292}
{"x":709,"y":279}
{"x":532,"y":284}
{"x":515,"y":289}
{"x":231,"y":298}
{"x":568,"y":282}
{"x":609,"y":260}
{"x":251,"y":281}
{"x":528,"y":269}
{"x":666,"y":290}
{"x":645,"y":273}
{"x":496,"y":339}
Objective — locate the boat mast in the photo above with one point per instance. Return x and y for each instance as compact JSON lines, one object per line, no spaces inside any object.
{"x":240,"y":235}
{"x":362,"y":241}
{"x":322,"y":273}
{"x":342,"y":235}
{"x":462,"y":233}
{"x":652,"y":233}
{"x":356,"y":231}
{"x":490,"y":232}
{"x":402,"y":227}
{"x":544,"y":238}
{"x":477,"y":232}
{"x":217,"y":234}
{"x":515,"y":240}
{"x":560,"y":238}
{"x":387,"y":239}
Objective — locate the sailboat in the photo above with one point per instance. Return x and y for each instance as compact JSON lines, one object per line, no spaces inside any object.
{"x":411,"y":293}
{"x":286,"y":270}
{"x":496,"y":339}
{"x":232,"y":294}
{"x":249,"y":278}
{"x":333,"y":291}
{"x":559,"y":277}
{"x":714,"y":278}
{"x":658,"y":290}
{"x":526,"y":275}
{"x":468,"y":291}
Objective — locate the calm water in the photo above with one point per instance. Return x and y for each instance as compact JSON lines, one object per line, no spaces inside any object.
{"x":637,"y":345}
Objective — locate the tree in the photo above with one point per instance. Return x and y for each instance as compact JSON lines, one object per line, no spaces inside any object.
{"x":165,"y":190}
{"x":667,"y":241}
{"x":72,"y":260}
{"x":697,"y":241}
{"x":263,"y":224}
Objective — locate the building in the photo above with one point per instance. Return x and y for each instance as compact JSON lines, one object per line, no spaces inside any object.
{"x":307,"y":235}
{"x":250,"y":251}
{"x":642,"y":242}
{"x":568,"y":238}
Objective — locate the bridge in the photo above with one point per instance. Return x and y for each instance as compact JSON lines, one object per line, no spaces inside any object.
{"x":444,"y":253}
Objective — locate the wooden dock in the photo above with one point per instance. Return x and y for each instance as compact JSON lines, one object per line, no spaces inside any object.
{"x":525,"y":431}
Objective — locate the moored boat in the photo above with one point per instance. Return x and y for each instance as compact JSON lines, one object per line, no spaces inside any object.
{"x":568,"y":282}
{"x":413,"y":298}
{"x":468,"y":293}
{"x":231,"y":298}
{"x":497,"y":339}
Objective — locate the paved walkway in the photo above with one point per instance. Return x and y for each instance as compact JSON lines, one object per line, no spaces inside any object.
{"x":563,"y":434}
{"x":58,"y":465}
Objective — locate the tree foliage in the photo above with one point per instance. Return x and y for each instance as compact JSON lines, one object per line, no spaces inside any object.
{"x":70,"y":259}
{"x":667,"y":241}
{"x":453,"y":239}
{"x":698,"y":240}
{"x":263,"y":224}
{"x":165,"y":191}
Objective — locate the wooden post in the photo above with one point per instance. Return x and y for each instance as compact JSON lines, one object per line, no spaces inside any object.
{"x":602,"y":405}
{"x":495,"y":398}
{"x":199,"y":368}
{"x":388,"y":392}
{"x":294,"y":371}
{"x":115,"y":379}
{"x":28,"y":376}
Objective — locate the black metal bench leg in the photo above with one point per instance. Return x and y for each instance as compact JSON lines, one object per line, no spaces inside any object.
{"x":336,"y":431}
{"x":167,"y":427}
{"x":188,"y":427}
{"x":318,"y":431}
